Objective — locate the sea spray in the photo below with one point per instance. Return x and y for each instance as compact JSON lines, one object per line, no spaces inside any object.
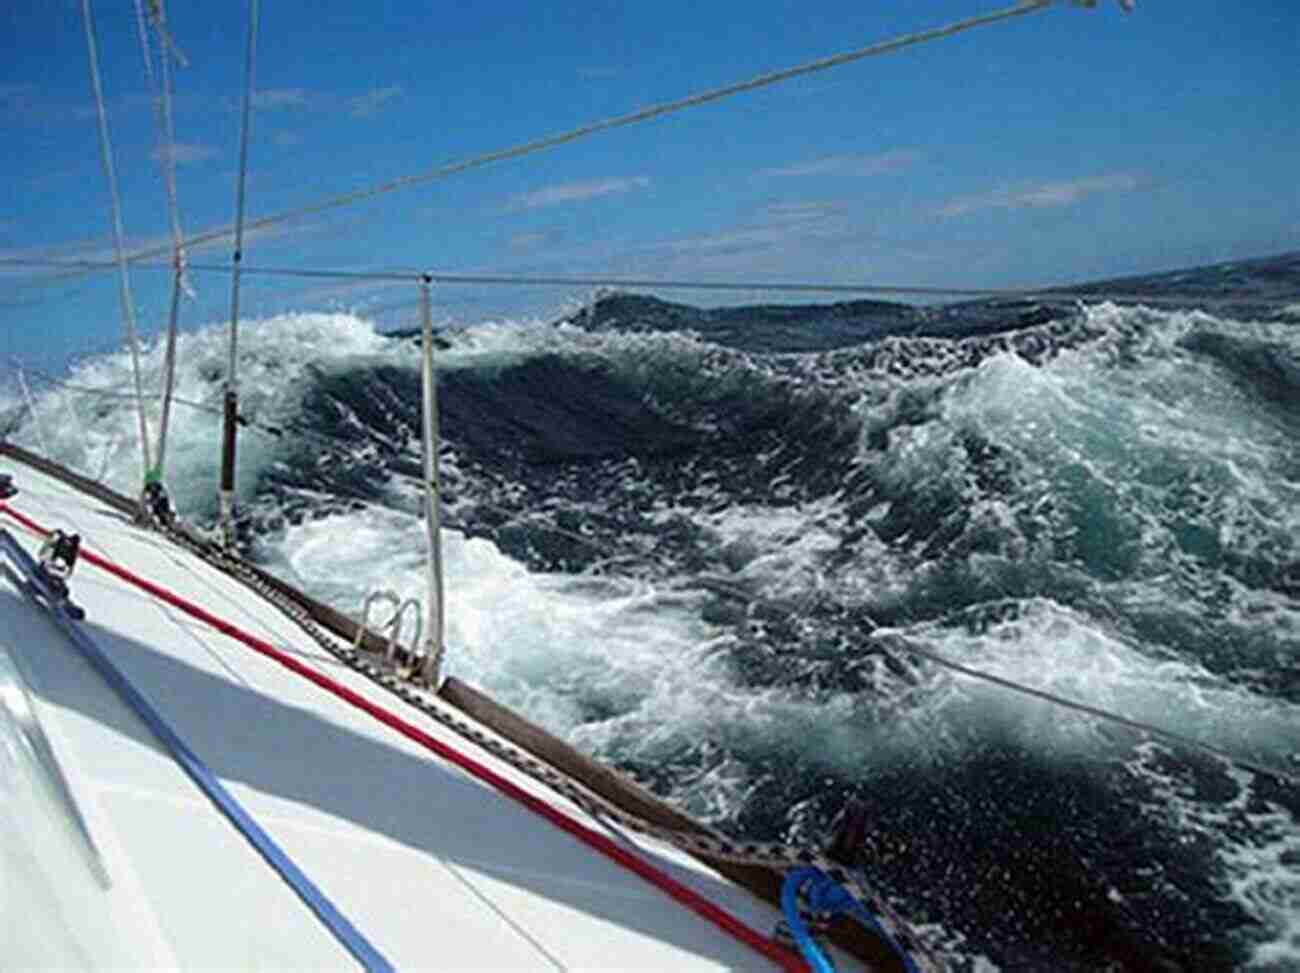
{"x":676,"y":539}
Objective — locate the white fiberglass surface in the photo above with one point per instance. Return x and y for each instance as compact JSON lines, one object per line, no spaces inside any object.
{"x":56,"y":906}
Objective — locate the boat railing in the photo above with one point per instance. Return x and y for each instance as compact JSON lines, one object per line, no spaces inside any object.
{"x":393,"y":623}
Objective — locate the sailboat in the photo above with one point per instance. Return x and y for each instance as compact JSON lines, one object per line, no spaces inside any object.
{"x":209,"y":768}
{"x":205,"y":787}
{"x":210,"y":776}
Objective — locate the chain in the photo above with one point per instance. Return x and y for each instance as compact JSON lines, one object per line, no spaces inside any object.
{"x":706,"y":844}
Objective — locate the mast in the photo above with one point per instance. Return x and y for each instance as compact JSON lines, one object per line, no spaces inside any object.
{"x":231,"y":410}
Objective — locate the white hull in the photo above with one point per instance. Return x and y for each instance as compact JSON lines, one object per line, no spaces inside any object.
{"x":433,"y":866}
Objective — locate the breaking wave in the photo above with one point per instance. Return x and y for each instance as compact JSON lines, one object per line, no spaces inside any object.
{"x":692,"y":542}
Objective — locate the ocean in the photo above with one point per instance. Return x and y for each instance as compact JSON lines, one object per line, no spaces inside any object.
{"x":697,"y":543}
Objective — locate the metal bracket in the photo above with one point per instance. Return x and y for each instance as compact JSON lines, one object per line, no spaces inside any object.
{"x":58,"y":555}
{"x":394,"y":623}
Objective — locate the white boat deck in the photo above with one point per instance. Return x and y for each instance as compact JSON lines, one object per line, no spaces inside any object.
{"x":436,"y":869}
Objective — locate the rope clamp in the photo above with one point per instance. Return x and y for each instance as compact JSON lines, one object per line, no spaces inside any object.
{"x":58,"y":555}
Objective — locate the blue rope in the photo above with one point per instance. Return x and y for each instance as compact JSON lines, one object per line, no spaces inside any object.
{"x":817,"y":960}
{"x":824,"y":894}
{"x":343,"y":930}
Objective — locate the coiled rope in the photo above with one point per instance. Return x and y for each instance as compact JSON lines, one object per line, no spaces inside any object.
{"x":823,"y":895}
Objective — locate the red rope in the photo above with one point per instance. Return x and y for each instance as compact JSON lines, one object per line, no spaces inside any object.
{"x":688,"y":897}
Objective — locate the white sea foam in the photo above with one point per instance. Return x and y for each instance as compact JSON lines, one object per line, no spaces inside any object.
{"x":1055,"y":649}
{"x":535,"y":639}
{"x":622,"y":669}
{"x":89,"y":422}
{"x":1258,"y":860}
{"x":629,"y":670}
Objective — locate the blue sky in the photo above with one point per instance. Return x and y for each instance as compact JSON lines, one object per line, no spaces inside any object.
{"x":1065,"y":145}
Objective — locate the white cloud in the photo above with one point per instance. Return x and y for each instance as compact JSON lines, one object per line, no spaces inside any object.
{"x":575,"y":192}
{"x":738,"y":240}
{"x":154,"y":248}
{"x":302,"y":99}
{"x":802,"y":210}
{"x":528,"y":240}
{"x":358,"y":106}
{"x":269,"y":98}
{"x":187,"y":152}
{"x":1043,"y":194}
{"x":363,"y":106}
{"x":846,"y":165}
{"x":782,"y":227}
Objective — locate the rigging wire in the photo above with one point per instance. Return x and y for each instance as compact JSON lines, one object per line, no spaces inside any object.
{"x":654,"y":111}
{"x":904,"y":643}
{"x":886,"y":638}
{"x":521,"y":149}
{"x":124,"y":278}
{"x":1054,"y":292}
{"x":31,"y":410}
{"x":142,"y":28}
{"x":167,"y":162}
